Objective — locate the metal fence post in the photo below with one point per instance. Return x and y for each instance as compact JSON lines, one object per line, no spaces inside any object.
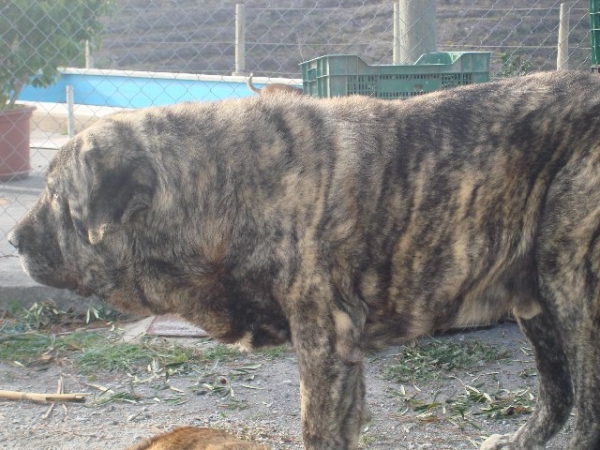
{"x":89,"y":57}
{"x":417,"y":29}
{"x":562,"y":58}
{"x":396,"y":42}
{"x":70,"y":111}
{"x":240,"y":39}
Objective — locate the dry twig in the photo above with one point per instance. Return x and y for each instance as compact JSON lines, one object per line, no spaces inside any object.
{"x":43,"y":398}
{"x":58,"y":391}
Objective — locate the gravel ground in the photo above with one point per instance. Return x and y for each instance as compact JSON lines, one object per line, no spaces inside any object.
{"x":265,"y":403}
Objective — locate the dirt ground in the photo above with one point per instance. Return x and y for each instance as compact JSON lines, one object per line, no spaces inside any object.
{"x":265,"y":402}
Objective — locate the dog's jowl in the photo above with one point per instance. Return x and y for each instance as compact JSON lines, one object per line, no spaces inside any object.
{"x":348,"y":224}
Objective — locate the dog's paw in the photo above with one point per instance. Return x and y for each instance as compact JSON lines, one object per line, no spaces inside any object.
{"x":497,"y":442}
{"x":508,"y":442}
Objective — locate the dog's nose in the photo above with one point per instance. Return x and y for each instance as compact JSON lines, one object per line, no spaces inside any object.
{"x":14,"y":240}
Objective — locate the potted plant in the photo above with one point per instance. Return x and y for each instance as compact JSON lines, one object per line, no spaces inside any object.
{"x":36,"y":39}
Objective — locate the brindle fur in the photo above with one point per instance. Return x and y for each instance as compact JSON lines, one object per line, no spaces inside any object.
{"x":274,"y":88}
{"x":348,"y":224}
{"x":192,"y":438}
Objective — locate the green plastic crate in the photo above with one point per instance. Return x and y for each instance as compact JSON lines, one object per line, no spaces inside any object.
{"x":341,"y":75}
{"x":595,"y":31}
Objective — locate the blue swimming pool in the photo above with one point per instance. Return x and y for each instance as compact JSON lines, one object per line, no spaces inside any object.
{"x":135,"y":89}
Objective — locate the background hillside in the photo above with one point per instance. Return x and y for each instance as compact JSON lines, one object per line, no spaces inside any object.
{"x":197,"y":36}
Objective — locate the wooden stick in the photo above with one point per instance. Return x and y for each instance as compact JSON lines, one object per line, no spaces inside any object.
{"x":43,"y":398}
{"x":58,"y":391}
{"x":104,"y":389}
{"x":50,"y":409}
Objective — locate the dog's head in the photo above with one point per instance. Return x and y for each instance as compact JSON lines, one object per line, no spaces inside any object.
{"x":77,"y":234}
{"x":137,"y":212}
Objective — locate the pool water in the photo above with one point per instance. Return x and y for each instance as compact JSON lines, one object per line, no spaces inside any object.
{"x":132,"y":89}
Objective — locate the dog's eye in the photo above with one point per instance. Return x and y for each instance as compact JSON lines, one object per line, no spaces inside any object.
{"x":58,"y":199}
{"x":54,"y":195}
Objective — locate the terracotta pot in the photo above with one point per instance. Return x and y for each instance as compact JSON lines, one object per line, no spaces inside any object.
{"x":14,"y":143}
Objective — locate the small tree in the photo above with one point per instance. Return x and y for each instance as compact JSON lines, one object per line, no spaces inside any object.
{"x":39,"y":36}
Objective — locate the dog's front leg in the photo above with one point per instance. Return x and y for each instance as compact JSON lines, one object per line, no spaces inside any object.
{"x":332,"y":388}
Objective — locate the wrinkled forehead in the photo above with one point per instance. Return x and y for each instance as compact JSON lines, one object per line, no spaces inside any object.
{"x":100,"y":134}
{"x":80,"y":158}
{"x":67,"y":162}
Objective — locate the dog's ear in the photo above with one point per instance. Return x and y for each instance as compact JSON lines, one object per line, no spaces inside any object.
{"x":119,"y":195}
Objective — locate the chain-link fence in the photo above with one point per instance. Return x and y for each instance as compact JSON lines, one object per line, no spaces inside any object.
{"x":273,"y":38}
{"x":184,"y":36}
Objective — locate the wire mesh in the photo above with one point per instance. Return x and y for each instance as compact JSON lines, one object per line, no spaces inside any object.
{"x":182,"y":42}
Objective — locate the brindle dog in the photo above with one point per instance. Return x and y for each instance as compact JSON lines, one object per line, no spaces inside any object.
{"x":348,"y":224}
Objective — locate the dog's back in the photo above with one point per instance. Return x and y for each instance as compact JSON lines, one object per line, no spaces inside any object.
{"x":192,"y":438}
{"x":275,"y":88}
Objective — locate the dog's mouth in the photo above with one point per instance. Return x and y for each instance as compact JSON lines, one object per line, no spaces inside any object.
{"x":85,"y":286}
{"x":58,"y":283}
{"x":53,"y":278}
